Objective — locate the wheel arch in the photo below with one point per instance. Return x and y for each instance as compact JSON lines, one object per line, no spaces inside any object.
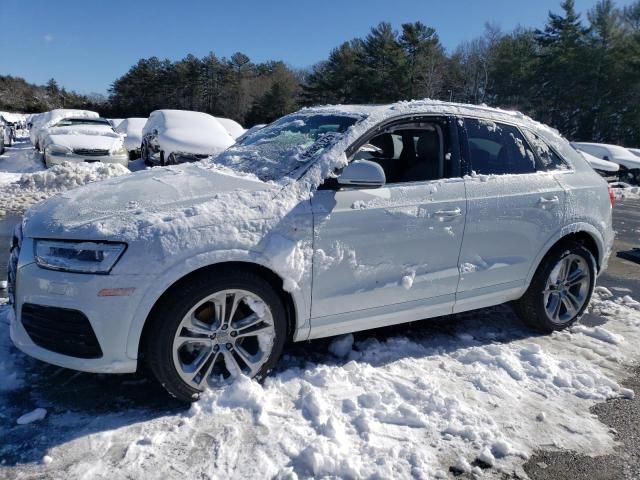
{"x":295,"y":317}
{"x":585,"y":234}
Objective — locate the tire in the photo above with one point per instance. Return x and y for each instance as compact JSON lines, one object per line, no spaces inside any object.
{"x":162,"y":160}
{"x":546,"y":290}
{"x":174,"y":360}
{"x":144,"y":154}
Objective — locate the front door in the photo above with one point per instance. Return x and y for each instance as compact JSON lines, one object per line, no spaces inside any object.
{"x":392,"y":248}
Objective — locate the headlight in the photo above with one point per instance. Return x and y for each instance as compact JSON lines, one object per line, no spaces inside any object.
{"x":78,"y":257}
{"x":58,"y":150}
{"x":119,"y":151}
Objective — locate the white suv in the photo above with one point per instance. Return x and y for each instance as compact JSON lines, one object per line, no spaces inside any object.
{"x":329,"y":220}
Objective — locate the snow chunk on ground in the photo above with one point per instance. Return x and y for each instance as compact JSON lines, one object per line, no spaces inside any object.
{"x":33,"y":416}
{"x":341,"y":346}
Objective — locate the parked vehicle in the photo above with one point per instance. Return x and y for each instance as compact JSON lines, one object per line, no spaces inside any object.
{"x":9,"y":131}
{"x":635,"y":151}
{"x":132,"y":128}
{"x":232,"y":127}
{"x":115,"y":122}
{"x":178,"y":136}
{"x":83,"y":139}
{"x":2,"y":134}
{"x":629,"y":163}
{"x":41,"y":122}
{"x":329,"y":220}
{"x":603,"y":167}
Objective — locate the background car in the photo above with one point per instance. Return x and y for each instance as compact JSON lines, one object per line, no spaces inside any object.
{"x":83,"y":139}
{"x":132,"y":128}
{"x":629,"y":163}
{"x":635,"y":151}
{"x":603,"y":167}
{"x":40,"y":123}
{"x":9,"y":131}
{"x":232,"y":127}
{"x":177,"y":136}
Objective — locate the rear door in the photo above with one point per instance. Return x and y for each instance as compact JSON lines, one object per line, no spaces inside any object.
{"x":514,"y":207}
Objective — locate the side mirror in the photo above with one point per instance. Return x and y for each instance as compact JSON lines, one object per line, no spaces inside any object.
{"x":362,"y":173}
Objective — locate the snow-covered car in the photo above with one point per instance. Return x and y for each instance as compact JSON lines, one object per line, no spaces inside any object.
{"x":8,"y":130}
{"x":2,"y":134}
{"x":132,"y":128}
{"x":232,"y":127}
{"x":40,"y":123}
{"x":629,"y":163}
{"x":635,"y":151}
{"x":603,"y":167}
{"x":115,"y":121}
{"x":83,"y":139}
{"x":330,"y":220}
{"x":178,"y":136}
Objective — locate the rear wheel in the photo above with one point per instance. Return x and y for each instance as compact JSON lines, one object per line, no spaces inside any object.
{"x":213,"y":330}
{"x":560,"y":290}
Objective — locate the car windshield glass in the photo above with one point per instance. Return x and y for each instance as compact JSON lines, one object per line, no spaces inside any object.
{"x":68,"y":122}
{"x":287,"y":145}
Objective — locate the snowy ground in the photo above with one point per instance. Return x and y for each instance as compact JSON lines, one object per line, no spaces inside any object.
{"x":474,"y":394}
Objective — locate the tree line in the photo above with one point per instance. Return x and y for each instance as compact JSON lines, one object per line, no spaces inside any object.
{"x":580,"y":74}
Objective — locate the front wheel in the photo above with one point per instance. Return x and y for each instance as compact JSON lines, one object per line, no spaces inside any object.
{"x":560,"y":290}
{"x":214,"y":329}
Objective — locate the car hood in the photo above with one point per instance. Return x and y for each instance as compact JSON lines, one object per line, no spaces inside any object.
{"x":119,"y":208}
{"x":83,"y":139}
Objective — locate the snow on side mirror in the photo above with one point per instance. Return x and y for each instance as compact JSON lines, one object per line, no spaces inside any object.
{"x":362,"y":173}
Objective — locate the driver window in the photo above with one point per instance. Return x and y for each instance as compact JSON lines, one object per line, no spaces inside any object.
{"x":410,"y":153}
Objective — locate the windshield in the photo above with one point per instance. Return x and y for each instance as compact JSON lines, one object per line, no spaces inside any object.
{"x":287,"y":145}
{"x":68,"y":122}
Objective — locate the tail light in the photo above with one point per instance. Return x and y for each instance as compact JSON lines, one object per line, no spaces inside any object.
{"x":612,"y":197}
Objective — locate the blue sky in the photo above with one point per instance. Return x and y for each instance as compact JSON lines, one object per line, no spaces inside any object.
{"x":86,"y":44}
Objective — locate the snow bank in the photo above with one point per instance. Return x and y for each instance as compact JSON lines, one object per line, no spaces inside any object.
{"x":17,"y":196}
{"x":477,"y":395}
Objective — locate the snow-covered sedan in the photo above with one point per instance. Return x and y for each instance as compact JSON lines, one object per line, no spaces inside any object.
{"x":83,"y":139}
{"x":329,"y":220}
{"x":42,"y":122}
{"x":628,"y":162}
{"x":132,"y":129}
{"x":178,"y":136}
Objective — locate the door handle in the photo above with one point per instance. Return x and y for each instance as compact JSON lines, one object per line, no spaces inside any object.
{"x":545,"y":201}
{"x":456,"y":212}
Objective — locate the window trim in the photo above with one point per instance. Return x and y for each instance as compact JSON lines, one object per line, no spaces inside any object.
{"x":380,"y":128}
{"x":466,"y":155}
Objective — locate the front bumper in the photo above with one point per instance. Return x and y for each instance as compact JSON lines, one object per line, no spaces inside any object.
{"x":110,"y":317}
{"x":52,"y":160}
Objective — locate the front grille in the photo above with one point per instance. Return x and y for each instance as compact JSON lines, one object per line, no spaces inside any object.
{"x":60,"y":330}
{"x":91,"y":152}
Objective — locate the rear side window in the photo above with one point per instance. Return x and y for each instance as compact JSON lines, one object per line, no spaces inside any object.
{"x":549,"y":159}
{"x":498,"y":149}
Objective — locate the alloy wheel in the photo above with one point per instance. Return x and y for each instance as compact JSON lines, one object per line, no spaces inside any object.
{"x":567,"y":289}
{"x":226,"y":334}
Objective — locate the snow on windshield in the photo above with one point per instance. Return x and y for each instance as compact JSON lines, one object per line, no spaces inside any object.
{"x":286,"y":146}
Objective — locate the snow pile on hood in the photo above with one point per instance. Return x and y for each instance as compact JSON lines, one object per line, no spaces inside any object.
{"x":31,"y":188}
{"x":463,"y":395}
